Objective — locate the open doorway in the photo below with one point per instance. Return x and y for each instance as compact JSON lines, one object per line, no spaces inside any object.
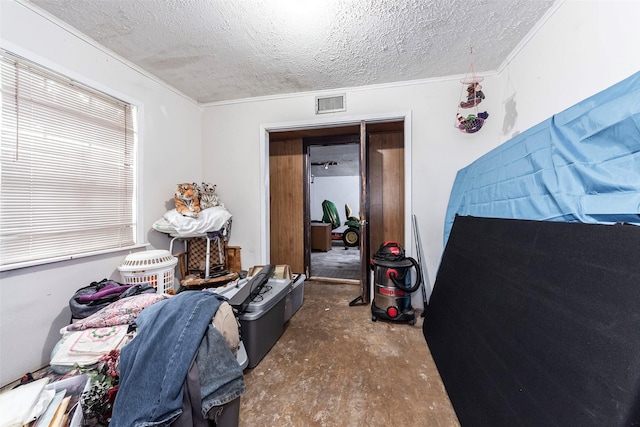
{"x":334,"y":206}
{"x":383,"y":207}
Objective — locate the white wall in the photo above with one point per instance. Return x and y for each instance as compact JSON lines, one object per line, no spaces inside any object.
{"x":339,"y":190}
{"x":582,"y":47}
{"x":34,"y":301}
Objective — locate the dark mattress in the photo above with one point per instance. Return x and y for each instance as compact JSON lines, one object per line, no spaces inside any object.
{"x":538,"y":323}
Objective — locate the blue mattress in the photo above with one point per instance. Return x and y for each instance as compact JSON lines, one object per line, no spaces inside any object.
{"x":581,"y":165}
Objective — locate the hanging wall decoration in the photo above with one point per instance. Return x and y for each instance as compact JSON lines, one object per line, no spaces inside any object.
{"x":468,"y":119}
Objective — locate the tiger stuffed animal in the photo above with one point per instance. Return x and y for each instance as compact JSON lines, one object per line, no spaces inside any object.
{"x":187,"y":200}
{"x":208,"y":196}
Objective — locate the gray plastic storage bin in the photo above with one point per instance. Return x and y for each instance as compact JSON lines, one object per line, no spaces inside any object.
{"x":263,"y":321}
{"x":294,"y":298}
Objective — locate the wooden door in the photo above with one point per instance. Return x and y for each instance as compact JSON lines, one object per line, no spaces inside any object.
{"x":286,"y":202}
{"x":386,"y":188}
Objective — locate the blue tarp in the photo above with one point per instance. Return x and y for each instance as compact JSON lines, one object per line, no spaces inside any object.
{"x":581,"y":165}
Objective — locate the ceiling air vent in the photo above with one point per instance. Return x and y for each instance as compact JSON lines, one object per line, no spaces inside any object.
{"x":330,"y":104}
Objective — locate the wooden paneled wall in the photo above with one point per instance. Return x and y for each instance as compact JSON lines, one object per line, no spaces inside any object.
{"x":386,"y":184}
{"x":286,"y":183}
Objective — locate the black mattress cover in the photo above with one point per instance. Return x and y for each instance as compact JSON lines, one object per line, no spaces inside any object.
{"x":538,"y":323}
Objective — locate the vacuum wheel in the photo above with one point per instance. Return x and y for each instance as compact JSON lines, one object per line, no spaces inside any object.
{"x":351,"y":237}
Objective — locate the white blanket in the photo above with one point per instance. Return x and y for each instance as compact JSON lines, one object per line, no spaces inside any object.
{"x":86,"y":347}
{"x":209,"y":220}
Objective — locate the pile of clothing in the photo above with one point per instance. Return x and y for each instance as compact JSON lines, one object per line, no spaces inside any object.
{"x":177,"y":353}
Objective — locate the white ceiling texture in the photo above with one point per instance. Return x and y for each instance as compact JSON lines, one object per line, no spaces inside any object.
{"x":217,"y":50}
{"x":221,"y":50}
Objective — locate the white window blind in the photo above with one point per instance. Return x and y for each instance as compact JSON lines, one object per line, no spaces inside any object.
{"x":66,"y":167}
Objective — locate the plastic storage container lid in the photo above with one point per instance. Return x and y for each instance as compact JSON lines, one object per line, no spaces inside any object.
{"x":148,"y":260}
{"x":230,"y":289}
{"x":268,"y":298}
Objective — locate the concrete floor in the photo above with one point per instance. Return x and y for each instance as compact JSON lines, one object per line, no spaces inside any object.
{"x":333,"y":366}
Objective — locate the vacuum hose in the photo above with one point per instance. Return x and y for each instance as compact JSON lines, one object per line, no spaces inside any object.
{"x":393,"y":275}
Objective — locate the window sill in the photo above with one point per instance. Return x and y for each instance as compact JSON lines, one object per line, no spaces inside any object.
{"x":27,"y":264}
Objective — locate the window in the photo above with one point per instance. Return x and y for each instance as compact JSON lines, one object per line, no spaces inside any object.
{"x":67,"y":167}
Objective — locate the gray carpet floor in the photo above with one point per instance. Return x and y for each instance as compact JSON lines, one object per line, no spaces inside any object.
{"x":338,"y":263}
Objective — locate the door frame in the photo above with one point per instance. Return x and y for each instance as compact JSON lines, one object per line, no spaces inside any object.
{"x":265,"y":129}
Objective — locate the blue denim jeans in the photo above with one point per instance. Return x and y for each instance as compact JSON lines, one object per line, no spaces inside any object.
{"x":218,"y":370}
{"x":154,"y":365}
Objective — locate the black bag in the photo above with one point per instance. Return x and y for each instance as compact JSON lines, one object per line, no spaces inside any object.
{"x":389,"y":251}
{"x":98,"y":295}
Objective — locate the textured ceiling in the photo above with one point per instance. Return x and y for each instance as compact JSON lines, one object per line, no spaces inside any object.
{"x":233,"y":49}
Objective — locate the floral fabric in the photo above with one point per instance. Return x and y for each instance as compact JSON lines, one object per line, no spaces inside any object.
{"x":121,"y":312}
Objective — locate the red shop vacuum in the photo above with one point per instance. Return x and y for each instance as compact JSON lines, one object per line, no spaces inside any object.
{"x":394,"y":283}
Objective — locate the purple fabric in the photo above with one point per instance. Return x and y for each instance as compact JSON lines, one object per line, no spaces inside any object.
{"x":109,"y":289}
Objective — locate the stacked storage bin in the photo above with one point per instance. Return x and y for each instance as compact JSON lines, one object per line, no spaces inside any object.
{"x":263,"y":321}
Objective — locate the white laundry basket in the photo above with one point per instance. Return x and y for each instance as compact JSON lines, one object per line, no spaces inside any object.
{"x":155,"y":267}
